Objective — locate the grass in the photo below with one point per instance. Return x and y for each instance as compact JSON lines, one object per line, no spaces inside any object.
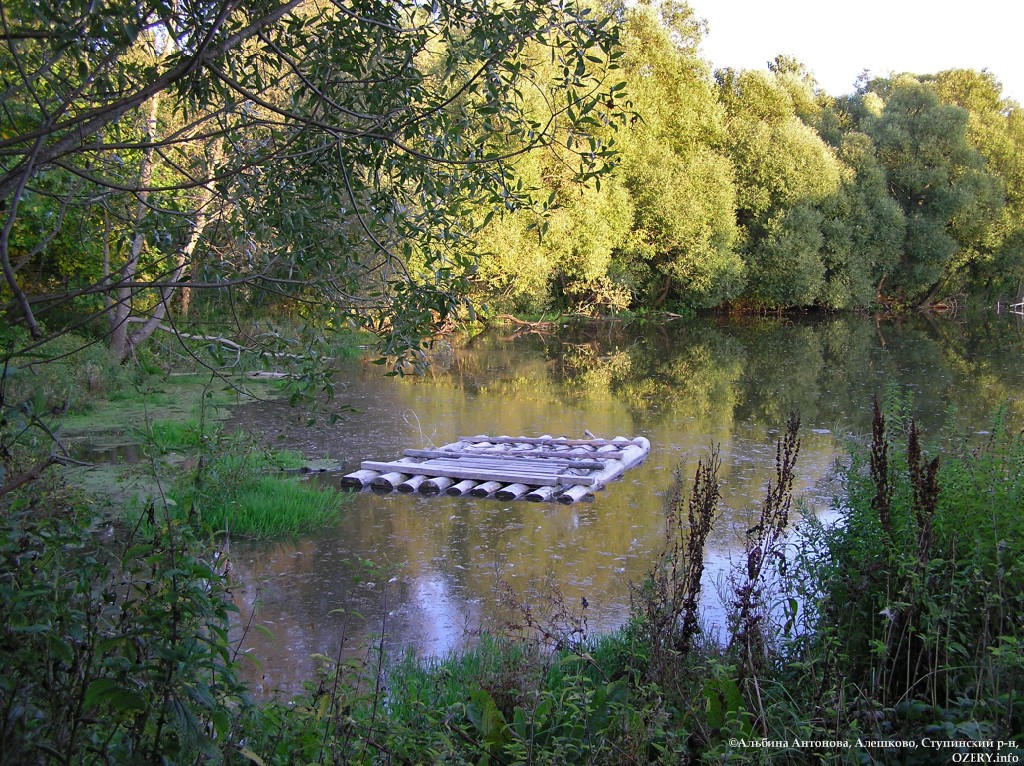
{"x":156,"y":398}
{"x":232,"y":487}
{"x":265,"y":507}
{"x":223,"y":481}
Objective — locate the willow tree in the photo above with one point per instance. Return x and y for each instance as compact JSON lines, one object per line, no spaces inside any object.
{"x":673,"y":164}
{"x":937,"y":177}
{"x":991,"y":258}
{"x":784,"y":172}
{"x":306,"y":148}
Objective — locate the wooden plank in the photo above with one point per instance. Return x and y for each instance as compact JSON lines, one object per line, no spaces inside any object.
{"x":543,"y":453}
{"x":454,"y":472}
{"x":484,"y":460}
{"x":554,"y":449}
{"x":635,"y":454}
{"x":504,"y":465}
{"x":622,"y":442}
{"x":568,"y":461}
{"x":564,"y":455}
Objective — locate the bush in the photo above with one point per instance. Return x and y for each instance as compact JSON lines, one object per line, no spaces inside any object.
{"x":902,"y":621}
{"x":64,"y":374}
{"x":111,"y":657}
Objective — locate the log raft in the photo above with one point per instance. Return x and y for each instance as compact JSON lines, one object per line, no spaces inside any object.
{"x":537,"y":469}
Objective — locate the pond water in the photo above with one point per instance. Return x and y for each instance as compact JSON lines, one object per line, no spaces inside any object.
{"x":429,"y":573}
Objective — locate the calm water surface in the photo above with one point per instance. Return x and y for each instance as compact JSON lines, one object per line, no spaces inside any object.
{"x":430,"y":573}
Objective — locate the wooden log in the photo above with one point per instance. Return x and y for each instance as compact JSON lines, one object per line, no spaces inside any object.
{"x":387,"y":482}
{"x":411,"y":484}
{"x":612,"y":453}
{"x":538,"y":440}
{"x":485,"y":489}
{"x":608,"y":452}
{"x":503,"y":476}
{"x":512,"y":491}
{"x":635,"y":451}
{"x":540,"y":466}
{"x":462,"y":488}
{"x":435,"y":485}
{"x":358,"y":479}
{"x":572,"y":494}
{"x":541,"y":494}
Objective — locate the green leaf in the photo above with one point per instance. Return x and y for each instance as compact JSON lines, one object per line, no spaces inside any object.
{"x":247,"y":753}
{"x":108,"y":691}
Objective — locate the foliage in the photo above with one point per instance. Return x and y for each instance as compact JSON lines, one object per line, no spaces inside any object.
{"x":293,"y":152}
{"x":928,"y":574}
{"x":684,"y":226}
{"x":65,"y":375}
{"x":899,"y":623}
{"x":114,"y":651}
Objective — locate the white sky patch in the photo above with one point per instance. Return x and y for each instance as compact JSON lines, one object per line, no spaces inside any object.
{"x":838,"y":41}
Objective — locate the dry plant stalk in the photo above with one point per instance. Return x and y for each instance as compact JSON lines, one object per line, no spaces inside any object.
{"x":764,"y":544}
{"x":670,"y":601}
{"x":880,"y":473}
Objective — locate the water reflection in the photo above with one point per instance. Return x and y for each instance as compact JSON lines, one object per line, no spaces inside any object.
{"x":442,"y":562}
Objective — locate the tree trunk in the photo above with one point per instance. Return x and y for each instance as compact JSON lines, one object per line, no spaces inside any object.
{"x":663,"y":295}
{"x":926,"y":302}
{"x":5,"y":239}
{"x":205,"y":200}
{"x":123,"y":303}
{"x":185,"y":254}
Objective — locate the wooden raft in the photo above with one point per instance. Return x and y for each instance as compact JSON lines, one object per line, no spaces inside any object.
{"x":506,"y":468}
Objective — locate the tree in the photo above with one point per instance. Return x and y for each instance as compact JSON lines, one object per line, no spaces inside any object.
{"x":329,"y":153}
{"x":991,"y":260}
{"x":863,"y":229}
{"x":684,"y":231}
{"x":935,"y":175}
{"x":784,"y":172}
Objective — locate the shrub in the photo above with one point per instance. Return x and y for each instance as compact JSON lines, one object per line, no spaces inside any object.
{"x":111,"y":657}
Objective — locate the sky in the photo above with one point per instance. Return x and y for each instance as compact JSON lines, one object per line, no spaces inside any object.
{"x":837,"y":41}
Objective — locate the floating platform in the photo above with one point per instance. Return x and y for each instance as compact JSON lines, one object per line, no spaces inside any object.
{"x":537,"y":469}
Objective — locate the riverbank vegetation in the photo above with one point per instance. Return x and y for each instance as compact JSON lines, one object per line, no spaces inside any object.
{"x":899,"y":624}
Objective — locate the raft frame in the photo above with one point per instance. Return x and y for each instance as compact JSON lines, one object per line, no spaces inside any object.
{"x":537,"y":469}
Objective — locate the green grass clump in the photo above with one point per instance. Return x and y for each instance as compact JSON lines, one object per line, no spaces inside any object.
{"x":236,"y":491}
{"x":176,"y":434}
{"x":269,"y":506}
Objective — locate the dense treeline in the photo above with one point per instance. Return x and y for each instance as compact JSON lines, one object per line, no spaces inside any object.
{"x":756,"y":189}
{"x":399,"y":164}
